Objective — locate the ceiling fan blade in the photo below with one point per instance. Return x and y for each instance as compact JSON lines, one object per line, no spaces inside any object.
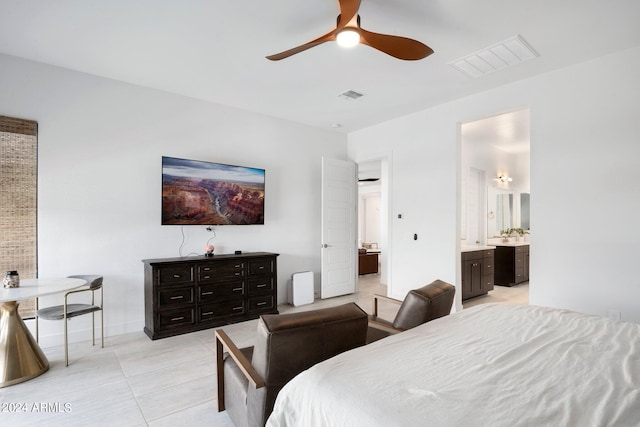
{"x":330,"y":36}
{"x":396,"y":46}
{"x":348,"y":11}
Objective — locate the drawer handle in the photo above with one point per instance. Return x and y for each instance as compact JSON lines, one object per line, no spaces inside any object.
{"x":475,"y":264}
{"x":238,"y":273}
{"x":207,"y":293}
{"x":261,"y":285}
{"x":238,"y":265}
{"x":178,"y":297}
{"x":261,"y":267}
{"x":237,"y":289}
{"x":176,"y":276}
{"x":488,"y":265}
{"x":208,"y":313}
{"x":237,"y":308}
{"x":207,"y":277}
{"x":175,"y":319}
{"x":261,"y":303}
{"x":206,"y":269}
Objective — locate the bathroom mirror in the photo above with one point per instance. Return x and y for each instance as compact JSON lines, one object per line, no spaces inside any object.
{"x":501,"y":210}
{"x":524,"y":211}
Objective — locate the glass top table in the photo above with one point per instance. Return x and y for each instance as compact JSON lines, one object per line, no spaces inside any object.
{"x":21,"y":358}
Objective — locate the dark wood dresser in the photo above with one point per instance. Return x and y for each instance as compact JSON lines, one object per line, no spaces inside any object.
{"x":189,"y":294}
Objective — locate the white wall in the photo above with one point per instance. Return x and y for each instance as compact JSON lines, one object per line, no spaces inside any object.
{"x":99,"y":173}
{"x":585,"y":169}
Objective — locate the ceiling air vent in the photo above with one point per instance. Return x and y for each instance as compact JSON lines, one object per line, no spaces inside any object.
{"x":493,"y":58}
{"x":350,"y":94}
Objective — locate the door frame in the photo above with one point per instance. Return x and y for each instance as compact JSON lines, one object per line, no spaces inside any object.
{"x":386,"y":211}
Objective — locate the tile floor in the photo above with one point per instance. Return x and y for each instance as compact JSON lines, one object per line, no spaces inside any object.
{"x":134,"y":381}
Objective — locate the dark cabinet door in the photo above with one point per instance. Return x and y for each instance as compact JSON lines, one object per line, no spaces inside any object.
{"x":471,"y":278}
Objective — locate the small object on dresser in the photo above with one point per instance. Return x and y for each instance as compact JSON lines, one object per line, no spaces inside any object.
{"x":11,"y":279}
{"x":208,"y":250}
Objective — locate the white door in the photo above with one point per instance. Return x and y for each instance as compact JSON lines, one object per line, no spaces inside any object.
{"x":339,"y":228}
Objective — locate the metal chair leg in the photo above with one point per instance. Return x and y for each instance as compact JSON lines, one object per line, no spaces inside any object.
{"x":37,"y":326}
{"x":102,"y":315}
{"x":66,"y":342}
{"x":93,"y":329}
{"x":102,"y":327}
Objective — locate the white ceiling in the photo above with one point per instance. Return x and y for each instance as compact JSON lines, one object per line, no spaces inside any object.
{"x":215,"y":50}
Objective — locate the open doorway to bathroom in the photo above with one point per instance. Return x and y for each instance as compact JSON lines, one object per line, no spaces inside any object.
{"x":495,"y":222}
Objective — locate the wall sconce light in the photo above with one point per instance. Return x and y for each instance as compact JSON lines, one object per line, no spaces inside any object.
{"x":504,"y":178}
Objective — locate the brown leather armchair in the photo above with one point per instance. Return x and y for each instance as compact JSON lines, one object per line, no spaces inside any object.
{"x":249,"y":379}
{"x":419,"y":306}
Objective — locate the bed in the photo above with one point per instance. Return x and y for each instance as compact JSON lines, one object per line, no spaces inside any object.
{"x":491,"y":365}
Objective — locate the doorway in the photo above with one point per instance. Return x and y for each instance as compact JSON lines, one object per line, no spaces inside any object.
{"x":374,"y":177}
{"x":494,"y":193}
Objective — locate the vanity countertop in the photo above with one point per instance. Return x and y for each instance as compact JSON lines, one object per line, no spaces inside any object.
{"x":512,"y":244}
{"x":471,"y":248}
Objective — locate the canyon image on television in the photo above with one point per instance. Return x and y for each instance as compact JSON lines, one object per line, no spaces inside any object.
{"x":205,"y":193}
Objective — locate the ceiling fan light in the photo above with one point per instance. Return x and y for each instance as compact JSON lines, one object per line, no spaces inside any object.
{"x":348,"y":38}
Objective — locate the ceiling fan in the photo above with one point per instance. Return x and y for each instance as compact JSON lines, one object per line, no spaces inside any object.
{"x":349,"y":33}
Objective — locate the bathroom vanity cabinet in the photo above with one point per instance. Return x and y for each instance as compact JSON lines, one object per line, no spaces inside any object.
{"x":477,"y":272}
{"x":512,"y":264}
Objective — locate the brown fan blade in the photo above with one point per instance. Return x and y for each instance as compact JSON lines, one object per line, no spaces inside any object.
{"x":348,"y":11}
{"x":396,"y":46}
{"x":330,"y":36}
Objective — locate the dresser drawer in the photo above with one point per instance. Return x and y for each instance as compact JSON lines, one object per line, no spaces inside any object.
{"x":260,"y":285}
{"x":522,"y":249}
{"x":176,"y":317}
{"x":221,"y":267}
{"x":170,"y":297}
{"x":220,"y":271}
{"x":175,"y":274}
{"x":261,"y":303}
{"x":519,"y":261}
{"x":487,"y":282}
{"x":468,"y":256}
{"x":209,"y":312}
{"x":260,"y":267}
{"x":221,"y":290}
{"x":488,"y":266}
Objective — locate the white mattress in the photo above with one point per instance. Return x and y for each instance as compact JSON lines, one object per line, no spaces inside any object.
{"x":492,"y":365}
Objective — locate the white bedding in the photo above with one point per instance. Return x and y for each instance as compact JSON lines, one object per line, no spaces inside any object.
{"x":492,"y":365}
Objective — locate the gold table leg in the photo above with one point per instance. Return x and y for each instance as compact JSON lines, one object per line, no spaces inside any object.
{"x":20,"y":356}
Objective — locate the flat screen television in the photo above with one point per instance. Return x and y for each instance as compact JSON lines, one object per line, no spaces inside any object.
{"x":205,"y":193}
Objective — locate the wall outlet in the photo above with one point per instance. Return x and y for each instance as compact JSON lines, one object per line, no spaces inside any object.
{"x":614,"y":314}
